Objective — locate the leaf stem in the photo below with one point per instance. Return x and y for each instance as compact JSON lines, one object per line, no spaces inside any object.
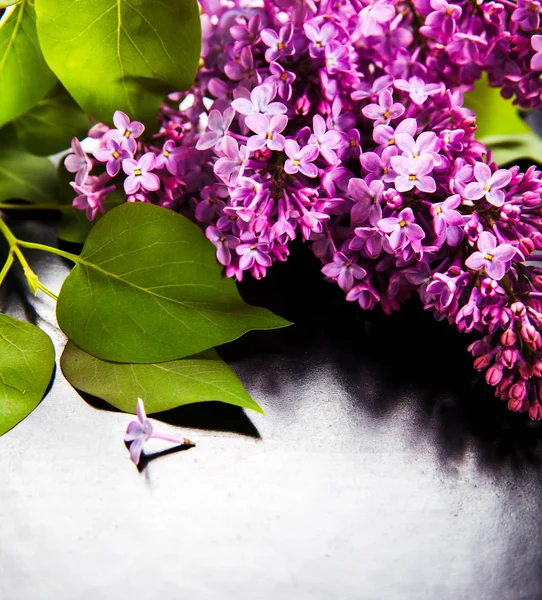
{"x":60,"y":207}
{"x":6,"y":267}
{"x":15,"y":246}
{"x":33,"y":246}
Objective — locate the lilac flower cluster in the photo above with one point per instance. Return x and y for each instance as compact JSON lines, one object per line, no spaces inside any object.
{"x":341,"y":123}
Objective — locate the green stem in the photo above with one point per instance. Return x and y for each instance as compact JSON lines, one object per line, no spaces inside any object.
{"x":60,"y":207}
{"x":47,"y":291}
{"x":15,"y":246}
{"x":6,"y":267}
{"x":33,"y":246}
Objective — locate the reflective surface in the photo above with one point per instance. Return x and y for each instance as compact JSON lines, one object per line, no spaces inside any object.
{"x":382,"y":469}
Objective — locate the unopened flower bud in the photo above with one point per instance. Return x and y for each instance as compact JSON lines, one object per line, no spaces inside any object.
{"x":518,"y":309}
{"x":494,"y":375}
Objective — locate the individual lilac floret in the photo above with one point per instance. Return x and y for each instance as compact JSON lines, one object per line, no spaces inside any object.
{"x":300,"y":159}
{"x":268,"y":132}
{"x":260,"y":102}
{"x":488,"y":185}
{"x":218,"y":124}
{"x":443,"y":214}
{"x":91,"y":194}
{"x":402,"y":230}
{"x":443,"y":17}
{"x":417,"y":89}
{"x":494,"y":259}
{"x":374,"y":16}
{"x":278,"y":43}
{"x":139,"y":174}
{"x":413,"y":172}
{"x":344,"y":270}
{"x":367,"y":199}
{"x":385,"y":110}
{"x":232,"y":164}
{"x":129,"y":130}
{"x":256,"y":252}
{"x":78,"y":162}
{"x":536,"y":60}
{"x":140,"y":431}
{"x":112,"y":154}
{"x":223,"y":244}
{"x":169,"y":157}
{"x":282,"y":79}
{"x":326,"y":141}
{"x":319,"y":37}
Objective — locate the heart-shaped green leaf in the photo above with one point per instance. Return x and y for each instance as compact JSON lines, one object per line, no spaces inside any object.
{"x":24,"y":75}
{"x":147,"y":288}
{"x":48,"y":127}
{"x":121,"y":54}
{"x":24,"y":176}
{"x":163,"y":386}
{"x":27,"y":360}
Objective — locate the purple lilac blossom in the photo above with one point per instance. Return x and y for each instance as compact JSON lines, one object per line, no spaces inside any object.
{"x":343,"y":125}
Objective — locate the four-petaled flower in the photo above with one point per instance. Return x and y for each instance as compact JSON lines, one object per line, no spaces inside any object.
{"x":345,"y":270}
{"x":402,"y":230}
{"x":319,"y":37}
{"x":223,"y":244}
{"x":169,"y":157}
{"x":255,"y":252}
{"x":444,"y":214}
{"x":300,"y":159}
{"x":260,"y":101}
{"x":112,"y":154}
{"x":417,"y":89}
{"x":278,"y":44}
{"x":495,"y":259}
{"x":413,"y":172}
{"x":368,"y":198}
{"x":385,"y":110}
{"x":268,"y":131}
{"x":130,"y":130}
{"x":218,"y":124}
{"x":140,"y":431}
{"x":488,"y":185}
{"x":325,"y":141}
{"x":139,"y":174}
{"x":232,"y":164}
{"x":78,"y":162}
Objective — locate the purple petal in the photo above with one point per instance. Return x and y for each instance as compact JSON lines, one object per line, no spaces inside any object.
{"x":495,"y":197}
{"x":495,"y":269}
{"x":476,"y":261}
{"x":487,"y":242}
{"x":474,"y":191}
{"x":504,"y":252}
{"x":482,"y":173}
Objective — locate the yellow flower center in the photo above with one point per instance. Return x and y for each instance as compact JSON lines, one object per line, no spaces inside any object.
{"x":412,"y":177}
{"x":402,"y":223}
{"x":137,"y":172}
{"x":387,"y":115}
{"x":280,"y":46}
{"x":438,"y":210}
{"x":488,"y":257}
{"x":353,"y":143}
{"x":269,"y":136}
{"x":296,"y":162}
{"x":166,"y":153}
{"x":127,"y":133}
{"x":115,"y":154}
{"x":487,"y":188}
{"x":284,"y":77}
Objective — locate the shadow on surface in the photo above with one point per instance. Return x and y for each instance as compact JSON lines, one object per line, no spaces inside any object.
{"x":209,"y":416}
{"x":412,"y":359}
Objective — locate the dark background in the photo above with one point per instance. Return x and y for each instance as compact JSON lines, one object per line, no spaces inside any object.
{"x":383,"y":468}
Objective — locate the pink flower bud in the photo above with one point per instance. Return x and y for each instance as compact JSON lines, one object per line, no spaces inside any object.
{"x":494,"y":375}
{"x":537,"y":368}
{"x":509,"y":357}
{"x":302,"y":106}
{"x":526,"y":246}
{"x":530,"y":335}
{"x":393,"y":198}
{"x":518,"y":391}
{"x":518,"y":309}
{"x":482,"y":362}
{"x":508,"y":338}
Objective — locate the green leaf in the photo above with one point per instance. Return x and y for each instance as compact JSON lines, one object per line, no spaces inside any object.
{"x":511,"y":148}
{"x":49,"y":126}
{"x":27,"y":361}
{"x":162,"y":386}
{"x":119,"y":54}
{"x":494,"y":114}
{"x":147,"y":288}
{"x":24,"y":176}
{"x":24,"y":75}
